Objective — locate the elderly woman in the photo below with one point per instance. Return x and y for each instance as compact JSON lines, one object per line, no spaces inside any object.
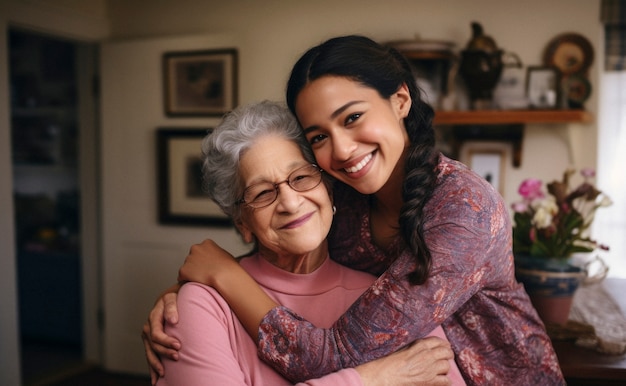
{"x":259,"y":169}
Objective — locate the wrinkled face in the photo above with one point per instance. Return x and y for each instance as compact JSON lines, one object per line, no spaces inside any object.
{"x":357,"y":136}
{"x":296,"y":223}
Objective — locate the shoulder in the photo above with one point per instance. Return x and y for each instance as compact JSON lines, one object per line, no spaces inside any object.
{"x":456,"y":180}
{"x":463,"y":196}
{"x":466,"y":219}
{"x":197,"y":294}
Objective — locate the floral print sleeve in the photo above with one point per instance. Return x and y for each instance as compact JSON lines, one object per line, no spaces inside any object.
{"x":471,"y":292}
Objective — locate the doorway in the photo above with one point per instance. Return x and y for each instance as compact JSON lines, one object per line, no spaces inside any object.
{"x":52,"y":121}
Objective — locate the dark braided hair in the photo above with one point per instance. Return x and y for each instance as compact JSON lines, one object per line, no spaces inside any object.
{"x":384,"y":69}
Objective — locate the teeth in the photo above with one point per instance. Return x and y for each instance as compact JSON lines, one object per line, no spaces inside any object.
{"x":360,"y":165}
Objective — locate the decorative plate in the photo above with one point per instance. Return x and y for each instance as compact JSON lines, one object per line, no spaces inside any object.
{"x":570,"y":53}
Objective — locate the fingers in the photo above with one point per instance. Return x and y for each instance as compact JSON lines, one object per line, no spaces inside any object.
{"x":430,"y":342}
{"x":440,"y":380}
{"x":170,"y":308}
{"x":154,"y":364}
{"x":160,"y":342}
{"x":434,"y":349}
{"x":425,"y":362}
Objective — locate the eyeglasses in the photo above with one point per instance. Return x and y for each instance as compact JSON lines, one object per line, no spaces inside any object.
{"x":265,"y":193}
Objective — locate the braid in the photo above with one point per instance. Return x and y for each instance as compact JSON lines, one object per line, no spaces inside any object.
{"x":420,"y":176}
{"x":419,"y":182}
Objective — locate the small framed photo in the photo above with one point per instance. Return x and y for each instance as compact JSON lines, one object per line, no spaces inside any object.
{"x":200,"y":83}
{"x":542,"y":87}
{"x":181,"y":199}
{"x":488,"y":159}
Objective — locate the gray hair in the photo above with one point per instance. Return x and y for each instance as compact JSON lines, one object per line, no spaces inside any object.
{"x":240,"y":129}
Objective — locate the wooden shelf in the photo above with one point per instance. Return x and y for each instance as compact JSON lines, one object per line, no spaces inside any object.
{"x":508,"y":117}
{"x":501,"y":125}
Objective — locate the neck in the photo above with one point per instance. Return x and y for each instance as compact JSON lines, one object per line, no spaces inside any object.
{"x":300,"y":263}
{"x":385,"y":209}
{"x":389,"y":200}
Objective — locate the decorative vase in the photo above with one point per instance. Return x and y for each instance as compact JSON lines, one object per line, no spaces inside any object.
{"x":550,"y":284}
{"x":481,"y":66}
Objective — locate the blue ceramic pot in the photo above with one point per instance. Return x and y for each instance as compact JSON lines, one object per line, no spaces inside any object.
{"x":548,"y":276}
{"x":550,"y":284}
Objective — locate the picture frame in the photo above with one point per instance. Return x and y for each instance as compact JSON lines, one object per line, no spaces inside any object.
{"x":488,"y":159}
{"x":181,"y":200}
{"x":200,"y":83}
{"x":510,"y":91}
{"x":542,"y":87}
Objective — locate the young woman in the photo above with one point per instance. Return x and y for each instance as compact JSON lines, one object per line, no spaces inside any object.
{"x":257,"y":155}
{"x":438,"y":234}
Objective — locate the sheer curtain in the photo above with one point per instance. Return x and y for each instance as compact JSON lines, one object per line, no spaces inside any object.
{"x":610,"y":224}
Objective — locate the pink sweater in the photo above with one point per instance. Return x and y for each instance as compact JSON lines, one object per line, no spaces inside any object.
{"x":216,"y":348}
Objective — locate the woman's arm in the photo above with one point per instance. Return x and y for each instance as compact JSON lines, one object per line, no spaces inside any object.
{"x":215,"y":350}
{"x":206,"y":352}
{"x":388,"y":316}
{"x":209,"y":264}
{"x":468,"y":240}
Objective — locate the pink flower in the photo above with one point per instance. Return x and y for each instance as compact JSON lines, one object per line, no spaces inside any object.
{"x":588,"y":173}
{"x":530,"y":189}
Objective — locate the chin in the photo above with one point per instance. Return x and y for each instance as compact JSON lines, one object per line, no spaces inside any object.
{"x":305,"y":244}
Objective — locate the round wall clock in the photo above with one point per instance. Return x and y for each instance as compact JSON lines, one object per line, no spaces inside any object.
{"x":570,"y":53}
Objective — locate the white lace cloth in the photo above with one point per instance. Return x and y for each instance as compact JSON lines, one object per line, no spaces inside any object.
{"x":594,"y":306}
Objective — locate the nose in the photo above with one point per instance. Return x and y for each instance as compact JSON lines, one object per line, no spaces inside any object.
{"x":343,"y":146}
{"x":288,"y":199}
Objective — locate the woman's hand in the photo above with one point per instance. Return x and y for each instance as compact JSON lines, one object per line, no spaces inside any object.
{"x":204,"y":262}
{"x":424,"y":362}
{"x":155,"y":341}
{"x":209,"y":264}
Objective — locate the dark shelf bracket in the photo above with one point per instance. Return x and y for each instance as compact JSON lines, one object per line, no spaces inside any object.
{"x":458,"y":134}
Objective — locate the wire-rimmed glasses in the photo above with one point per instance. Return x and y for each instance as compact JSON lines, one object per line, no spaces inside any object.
{"x":265,"y":193}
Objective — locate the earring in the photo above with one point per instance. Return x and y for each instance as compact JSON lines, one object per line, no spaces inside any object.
{"x":334,"y":210}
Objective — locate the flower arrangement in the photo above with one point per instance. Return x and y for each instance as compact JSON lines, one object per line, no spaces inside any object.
{"x":556,"y":225}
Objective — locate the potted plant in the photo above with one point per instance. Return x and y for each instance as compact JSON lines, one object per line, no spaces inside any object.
{"x":549,"y":228}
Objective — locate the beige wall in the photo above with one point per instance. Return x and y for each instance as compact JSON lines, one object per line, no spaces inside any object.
{"x":270,"y":35}
{"x":140,"y":257}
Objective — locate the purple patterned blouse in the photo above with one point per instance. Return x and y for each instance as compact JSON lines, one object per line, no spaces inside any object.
{"x":494,"y":331}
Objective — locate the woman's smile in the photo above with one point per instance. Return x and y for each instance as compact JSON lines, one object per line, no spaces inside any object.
{"x":360,"y":165}
{"x":298,"y":222}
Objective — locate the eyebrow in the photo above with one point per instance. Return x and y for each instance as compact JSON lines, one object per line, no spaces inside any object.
{"x":334,"y":115}
{"x":291,"y":167}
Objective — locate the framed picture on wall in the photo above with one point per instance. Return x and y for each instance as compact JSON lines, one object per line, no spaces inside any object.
{"x":200,"y":83}
{"x":181,"y":199}
{"x":488,"y":159}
